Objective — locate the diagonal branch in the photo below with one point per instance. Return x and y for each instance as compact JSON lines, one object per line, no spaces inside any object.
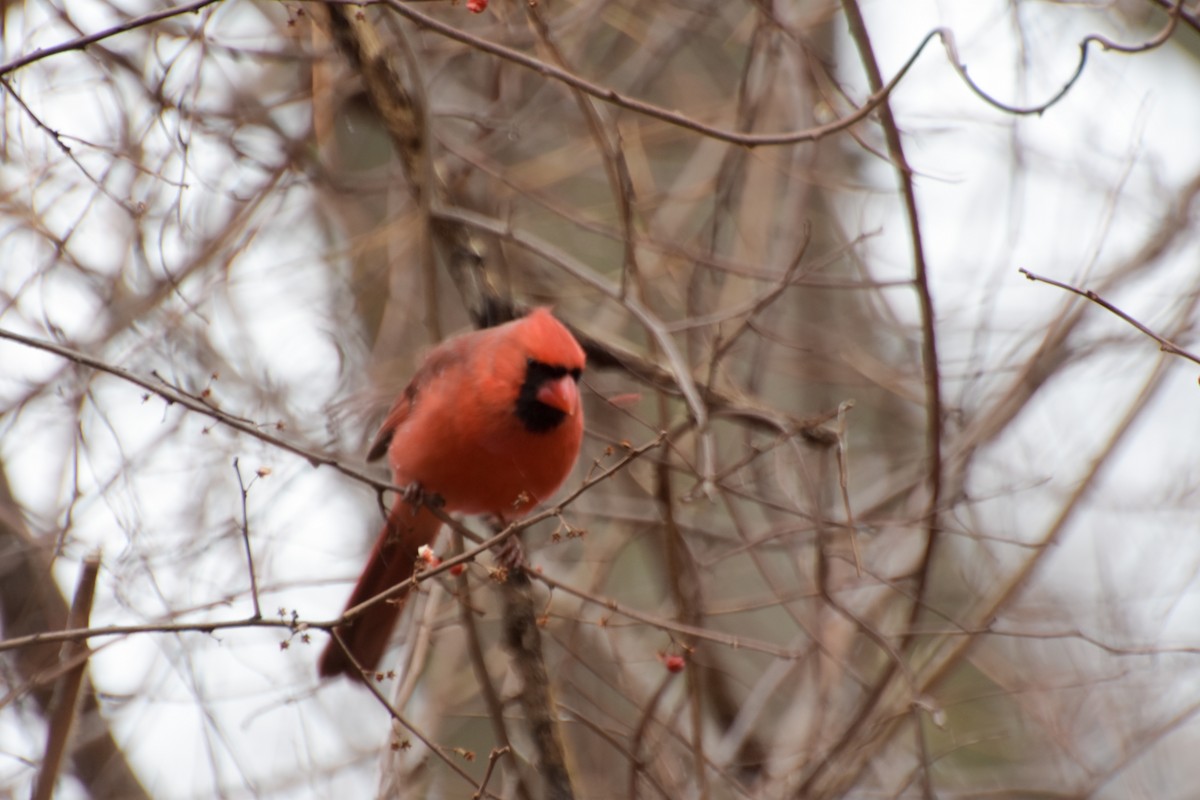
{"x":82,"y":42}
{"x":1165,"y":345}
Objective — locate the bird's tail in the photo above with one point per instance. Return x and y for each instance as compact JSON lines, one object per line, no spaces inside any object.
{"x":392,"y":561}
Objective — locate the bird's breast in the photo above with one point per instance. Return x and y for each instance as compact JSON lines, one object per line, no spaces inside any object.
{"x":483,"y":461}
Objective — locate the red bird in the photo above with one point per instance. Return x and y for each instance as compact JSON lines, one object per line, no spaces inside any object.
{"x":491,"y":423}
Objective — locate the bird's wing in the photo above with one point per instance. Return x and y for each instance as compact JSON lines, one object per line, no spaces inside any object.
{"x":446,"y":356}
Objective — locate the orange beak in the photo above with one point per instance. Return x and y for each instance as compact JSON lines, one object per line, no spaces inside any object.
{"x":560,"y":393}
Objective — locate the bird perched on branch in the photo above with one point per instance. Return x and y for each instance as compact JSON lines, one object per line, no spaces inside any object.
{"x":491,"y":423}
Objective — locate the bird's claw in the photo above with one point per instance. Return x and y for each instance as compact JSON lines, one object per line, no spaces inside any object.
{"x":510,"y":553}
{"x":415,"y":495}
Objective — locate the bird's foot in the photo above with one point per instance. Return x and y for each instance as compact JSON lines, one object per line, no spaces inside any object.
{"x":510,"y":554}
{"x":415,"y":495}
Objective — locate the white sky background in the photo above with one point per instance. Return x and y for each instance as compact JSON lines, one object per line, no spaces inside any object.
{"x":1131,"y":121}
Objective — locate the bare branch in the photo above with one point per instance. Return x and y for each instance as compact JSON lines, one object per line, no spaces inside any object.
{"x":1164,"y":345}
{"x":124,"y":27}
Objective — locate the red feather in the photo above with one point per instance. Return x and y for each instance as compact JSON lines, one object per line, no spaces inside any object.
{"x":462,"y":430}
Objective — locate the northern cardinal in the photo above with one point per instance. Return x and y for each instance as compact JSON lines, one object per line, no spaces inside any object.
{"x":491,"y":423}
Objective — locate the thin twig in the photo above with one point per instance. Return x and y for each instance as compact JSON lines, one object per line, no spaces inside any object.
{"x":83,"y":41}
{"x":1164,"y":344}
{"x":207,"y":627}
{"x":1084,"y":45}
{"x":1158,"y":40}
{"x":411,"y":728}
{"x":667,"y":624}
{"x":609,"y":95}
{"x":1192,"y":18}
{"x":174,"y":395}
{"x":329,"y":625}
{"x":246,"y":538}
{"x":496,"y":754}
{"x":877,"y":98}
{"x":62,"y":146}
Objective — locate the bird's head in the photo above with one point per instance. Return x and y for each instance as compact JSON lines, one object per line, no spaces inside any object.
{"x":553,"y":362}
